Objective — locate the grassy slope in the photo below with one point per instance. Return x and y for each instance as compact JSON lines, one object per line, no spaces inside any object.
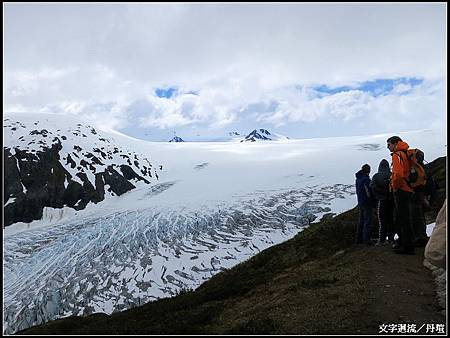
{"x":316,"y":283}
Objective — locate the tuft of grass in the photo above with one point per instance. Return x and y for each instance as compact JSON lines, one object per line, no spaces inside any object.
{"x":254,"y":326}
{"x":317,"y":283}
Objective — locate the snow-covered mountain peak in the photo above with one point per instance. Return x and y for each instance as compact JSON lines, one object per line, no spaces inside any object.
{"x":263,"y":135}
{"x":176,"y":139}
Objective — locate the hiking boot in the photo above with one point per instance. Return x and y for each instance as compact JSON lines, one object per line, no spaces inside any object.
{"x":404,"y":251}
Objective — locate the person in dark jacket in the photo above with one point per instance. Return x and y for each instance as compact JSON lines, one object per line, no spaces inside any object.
{"x":385,"y":204}
{"x":365,"y":204}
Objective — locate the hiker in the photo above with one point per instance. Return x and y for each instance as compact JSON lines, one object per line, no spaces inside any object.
{"x":385,"y":213}
{"x":418,"y":203}
{"x":402,"y":195}
{"x":365,"y":204}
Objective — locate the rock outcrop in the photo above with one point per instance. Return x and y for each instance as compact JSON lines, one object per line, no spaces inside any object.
{"x":49,"y":167}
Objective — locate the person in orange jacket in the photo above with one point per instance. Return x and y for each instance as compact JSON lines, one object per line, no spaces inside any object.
{"x":402,"y":194}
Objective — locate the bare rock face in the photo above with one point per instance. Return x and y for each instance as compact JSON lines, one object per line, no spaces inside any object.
{"x":176,"y":139}
{"x":261,"y":134}
{"x":35,"y":181}
{"x":32,"y":181}
{"x":45,"y":168}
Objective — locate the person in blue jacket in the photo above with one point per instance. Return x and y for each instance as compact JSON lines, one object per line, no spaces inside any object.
{"x":365,"y":204}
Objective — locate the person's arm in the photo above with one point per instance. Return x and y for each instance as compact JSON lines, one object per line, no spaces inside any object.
{"x":398,"y":178}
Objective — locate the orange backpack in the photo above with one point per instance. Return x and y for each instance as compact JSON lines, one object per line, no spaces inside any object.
{"x":417,"y":176}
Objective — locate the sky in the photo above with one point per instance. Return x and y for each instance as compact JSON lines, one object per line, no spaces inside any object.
{"x":200,"y":71}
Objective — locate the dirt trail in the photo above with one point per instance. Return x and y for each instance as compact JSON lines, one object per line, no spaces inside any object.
{"x":402,"y":293}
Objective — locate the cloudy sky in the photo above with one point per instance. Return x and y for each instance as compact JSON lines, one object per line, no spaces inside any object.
{"x":203,"y":70}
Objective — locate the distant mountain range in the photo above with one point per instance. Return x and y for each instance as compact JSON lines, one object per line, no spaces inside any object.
{"x":234,"y":136}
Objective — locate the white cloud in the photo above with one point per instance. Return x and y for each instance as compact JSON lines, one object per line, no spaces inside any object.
{"x":417,"y":107}
{"x":24,"y":82}
{"x":96,"y":60}
{"x":168,"y":120}
{"x":345,"y":105}
{"x":402,"y":88}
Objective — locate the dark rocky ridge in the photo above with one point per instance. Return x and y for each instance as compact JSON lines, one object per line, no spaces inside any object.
{"x":34,"y":179}
{"x":176,"y":139}
{"x":261,"y":134}
{"x":43,"y":177}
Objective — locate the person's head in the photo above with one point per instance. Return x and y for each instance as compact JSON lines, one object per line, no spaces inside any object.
{"x":365,"y":169}
{"x":383,"y":166}
{"x":392,"y":142}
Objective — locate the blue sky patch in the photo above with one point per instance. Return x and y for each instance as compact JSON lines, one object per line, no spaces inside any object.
{"x":166,"y":92}
{"x":327,"y":90}
{"x":376,"y":87}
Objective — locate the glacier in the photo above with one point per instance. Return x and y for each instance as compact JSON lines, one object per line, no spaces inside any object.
{"x":125,"y":259}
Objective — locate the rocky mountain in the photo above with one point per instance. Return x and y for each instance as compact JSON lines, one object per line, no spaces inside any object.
{"x":57,"y":162}
{"x":176,"y":139}
{"x":263,"y":135}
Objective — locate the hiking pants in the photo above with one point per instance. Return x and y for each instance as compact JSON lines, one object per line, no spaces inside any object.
{"x":403,"y":210}
{"x":365,"y":225}
{"x":418,"y":217}
{"x":385,"y":213}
